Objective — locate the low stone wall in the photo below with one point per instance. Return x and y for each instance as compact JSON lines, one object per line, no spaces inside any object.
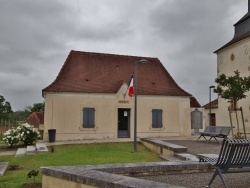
{"x":161,"y":147}
{"x":116,"y":175}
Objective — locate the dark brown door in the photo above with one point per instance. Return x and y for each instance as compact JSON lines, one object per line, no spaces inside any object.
{"x":213,"y":119}
{"x":123,"y":123}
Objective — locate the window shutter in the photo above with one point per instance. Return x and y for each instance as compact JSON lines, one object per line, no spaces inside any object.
{"x":88,"y":117}
{"x":85,"y":119}
{"x":156,"y":118}
{"x":159,"y":119}
{"x":91,"y":117}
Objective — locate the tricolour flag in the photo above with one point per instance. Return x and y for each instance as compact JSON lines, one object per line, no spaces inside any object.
{"x":131,"y":91}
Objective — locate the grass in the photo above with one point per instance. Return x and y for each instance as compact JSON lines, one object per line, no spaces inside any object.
{"x":68,"y":155}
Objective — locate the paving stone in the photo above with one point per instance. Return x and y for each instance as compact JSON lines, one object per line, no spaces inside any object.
{"x":41,"y":148}
{"x":186,"y":156}
{"x":3,"y":167}
{"x":20,"y":152}
{"x":31,"y":150}
{"x":169,"y":158}
{"x":6,"y":153}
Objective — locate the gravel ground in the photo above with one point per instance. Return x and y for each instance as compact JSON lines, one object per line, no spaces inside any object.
{"x":197,"y":180}
{"x":198,"y":147}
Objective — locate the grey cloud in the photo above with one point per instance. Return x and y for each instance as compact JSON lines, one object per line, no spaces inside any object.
{"x":36,"y":37}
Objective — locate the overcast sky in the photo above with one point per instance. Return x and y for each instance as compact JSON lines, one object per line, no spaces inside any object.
{"x":36,"y":37}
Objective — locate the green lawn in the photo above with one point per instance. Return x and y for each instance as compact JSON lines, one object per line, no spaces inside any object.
{"x":83,"y":154}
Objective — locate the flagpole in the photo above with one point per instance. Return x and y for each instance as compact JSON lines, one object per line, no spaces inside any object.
{"x":135,"y":110}
{"x":142,"y":61}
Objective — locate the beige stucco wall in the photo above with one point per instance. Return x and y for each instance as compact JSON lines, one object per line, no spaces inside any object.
{"x":227,"y":65}
{"x":52,"y":182}
{"x":63,"y":112}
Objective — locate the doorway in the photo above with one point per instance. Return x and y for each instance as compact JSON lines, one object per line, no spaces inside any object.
{"x":123,"y":122}
{"x":213,"y":119}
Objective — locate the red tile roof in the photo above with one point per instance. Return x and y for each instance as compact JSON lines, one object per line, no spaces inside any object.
{"x":194,"y":103}
{"x":214,"y":104}
{"x":36,"y":118}
{"x":85,"y":72}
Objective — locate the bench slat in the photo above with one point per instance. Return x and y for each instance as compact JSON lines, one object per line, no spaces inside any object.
{"x":234,"y":156}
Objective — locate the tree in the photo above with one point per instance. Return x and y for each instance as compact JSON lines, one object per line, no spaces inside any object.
{"x":20,"y":115}
{"x":233,"y":89}
{"x":38,"y":107}
{"x":5,"y":108}
{"x":24,"y":114}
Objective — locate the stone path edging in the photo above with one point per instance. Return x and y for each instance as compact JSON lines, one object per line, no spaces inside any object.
{"x":113,"y":175}
{"x":3,"y":167}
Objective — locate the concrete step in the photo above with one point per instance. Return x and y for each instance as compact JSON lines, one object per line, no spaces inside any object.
{"x":3,"y":167}
{"x":31,"y":150}
{"x":169,"y":158}
{"x":20,"y":152}
{"x":186,"y":156}
{"x":41,"y":148}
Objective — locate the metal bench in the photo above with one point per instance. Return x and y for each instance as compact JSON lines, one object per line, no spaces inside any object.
{"x":215,"y":131}
{"x":234,"y":157}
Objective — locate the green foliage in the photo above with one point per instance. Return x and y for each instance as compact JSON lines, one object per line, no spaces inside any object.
{"x":232,"y":88}
{"x":11,"y":137}
{"x":5,"y":108}
{"x":24,"y":114}
{"x":28,"y":134}
{"x":38,"y":107}
{"x":20,"y":115}
{"x":68,"y":155}
{"x":25,"y":133}
{"x":32,"y":173}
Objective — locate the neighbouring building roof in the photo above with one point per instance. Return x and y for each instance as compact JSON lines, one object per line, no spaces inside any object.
{"x":194,"y":103}
{"x":36,"y":118}
{"x":242,"y":29}
{"x":87,"y":72}
{"x":214,"y":104}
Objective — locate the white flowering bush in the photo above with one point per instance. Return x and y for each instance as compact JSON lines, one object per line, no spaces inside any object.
{"x":23,"y":133}
{"x":28,"y":134}
{"x":11,"y":137}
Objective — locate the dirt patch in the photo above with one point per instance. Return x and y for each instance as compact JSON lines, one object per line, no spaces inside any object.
{"x":32,"y":185}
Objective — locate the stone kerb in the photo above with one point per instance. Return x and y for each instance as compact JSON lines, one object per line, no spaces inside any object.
{"x":113,"y":175}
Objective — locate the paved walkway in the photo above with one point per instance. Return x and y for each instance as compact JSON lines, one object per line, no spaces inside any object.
{"x":4,"y":153}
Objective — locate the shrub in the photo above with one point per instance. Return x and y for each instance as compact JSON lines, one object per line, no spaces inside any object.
{"x":11,"y":137}
{"x":13,"y":167}
{"x":28,"y":134}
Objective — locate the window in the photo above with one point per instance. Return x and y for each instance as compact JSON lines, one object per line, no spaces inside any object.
{"x":88,"y":117}
{"x":157,"y":118}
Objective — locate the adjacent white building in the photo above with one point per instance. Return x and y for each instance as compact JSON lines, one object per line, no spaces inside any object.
{"x":235,"y":55}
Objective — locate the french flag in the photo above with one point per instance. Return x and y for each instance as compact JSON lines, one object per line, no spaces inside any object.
{"x":131,"y":91}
